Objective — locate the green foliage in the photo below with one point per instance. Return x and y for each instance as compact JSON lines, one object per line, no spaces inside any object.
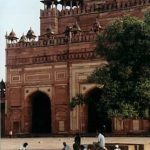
{"x":124,"y":111}
{"x":77,"y":100}
{"x":147,"y":18}
{"x":125,"y":44}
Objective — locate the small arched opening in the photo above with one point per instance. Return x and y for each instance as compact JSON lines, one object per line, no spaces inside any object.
{"x":97,"y":115}
{"x":41,"y":113}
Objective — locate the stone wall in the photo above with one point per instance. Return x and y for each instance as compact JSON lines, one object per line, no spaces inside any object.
{"x":58,"y":65}
{"x":130,"y":126}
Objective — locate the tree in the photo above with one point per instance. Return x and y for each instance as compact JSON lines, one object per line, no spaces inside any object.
{"x":125,"y":44}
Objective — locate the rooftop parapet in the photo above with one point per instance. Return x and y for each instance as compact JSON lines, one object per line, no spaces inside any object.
{"x":99,"y":7}
{"x":55,"y":40}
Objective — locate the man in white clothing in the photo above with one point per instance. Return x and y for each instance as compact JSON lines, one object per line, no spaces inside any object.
{"x":66,"y":147}
{"x":101,"y":141}
{"x":24,"y":146}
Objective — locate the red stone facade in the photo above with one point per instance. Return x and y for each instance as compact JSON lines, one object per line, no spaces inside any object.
{"x":56,"y":65}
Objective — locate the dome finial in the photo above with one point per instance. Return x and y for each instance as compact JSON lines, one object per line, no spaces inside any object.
{"x":96,"y":26}
{"x":49,"y":32}
{"x":22,"y":39}
{"x":12,"y":36}
{"x":76,"y":28}
{"x":30,"y":35}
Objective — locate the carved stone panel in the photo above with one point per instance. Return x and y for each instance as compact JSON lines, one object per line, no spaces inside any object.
{"x":16,"y":115}
{"x":61,"y":126}
{"x":60,"y":75}
{"x":136,"y":125}
{"x":61,"y":94}
{"x":62,"y":118}
{"x":15,"y":96}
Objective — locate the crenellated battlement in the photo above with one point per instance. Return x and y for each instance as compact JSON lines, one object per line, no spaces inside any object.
{"x":93,"y":8}
{"x":55,"y":40}
{"x":58,"y":38}
{"x":49,"y":12}
{"x":57,"y":20}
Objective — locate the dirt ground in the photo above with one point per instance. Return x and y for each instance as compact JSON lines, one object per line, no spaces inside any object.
{"x":55,"y":143}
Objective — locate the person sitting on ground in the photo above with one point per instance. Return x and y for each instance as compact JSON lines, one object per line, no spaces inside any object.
{"x":10,"y":133}
{"x":82,"y":147}
{"x":66,"y":147}
{"x":24,"y":146}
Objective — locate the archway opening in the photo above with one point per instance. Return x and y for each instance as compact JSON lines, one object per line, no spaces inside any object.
{"x":97,"y":115}
{"x":41,"y":113}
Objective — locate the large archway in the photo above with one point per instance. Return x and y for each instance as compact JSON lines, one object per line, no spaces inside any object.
{"x":97,"y":115}
{"x":41,"y":113}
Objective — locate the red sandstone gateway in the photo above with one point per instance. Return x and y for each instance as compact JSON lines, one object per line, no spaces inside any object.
{"x":45,"y":72}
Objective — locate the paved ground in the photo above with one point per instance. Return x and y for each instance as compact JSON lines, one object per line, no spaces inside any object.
{"x":55,"y":143}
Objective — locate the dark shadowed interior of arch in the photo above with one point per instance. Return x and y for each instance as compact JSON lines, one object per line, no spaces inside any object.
{"x":97,"y":119}
{"x":41,"y":113}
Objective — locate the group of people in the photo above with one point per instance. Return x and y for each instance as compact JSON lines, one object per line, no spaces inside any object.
{"x":76,"y":145}
{"x":100,"y":145}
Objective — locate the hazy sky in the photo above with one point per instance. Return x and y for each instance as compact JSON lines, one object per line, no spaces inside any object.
{"x":18,"y":15}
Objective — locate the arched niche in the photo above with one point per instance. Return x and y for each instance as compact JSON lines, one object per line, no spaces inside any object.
{"x":39,"y":113}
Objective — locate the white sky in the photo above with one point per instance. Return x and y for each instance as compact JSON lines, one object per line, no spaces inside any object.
{"x":18,"y":15}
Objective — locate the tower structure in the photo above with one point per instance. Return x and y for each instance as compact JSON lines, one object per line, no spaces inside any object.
{"x":44,"y":74}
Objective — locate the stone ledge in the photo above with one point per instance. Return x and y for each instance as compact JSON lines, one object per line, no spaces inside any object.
{"x":123,"y":146}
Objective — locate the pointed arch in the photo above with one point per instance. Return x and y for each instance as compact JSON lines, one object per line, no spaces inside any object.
{"x":40,"y":108}
{"x":96,"y":115}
